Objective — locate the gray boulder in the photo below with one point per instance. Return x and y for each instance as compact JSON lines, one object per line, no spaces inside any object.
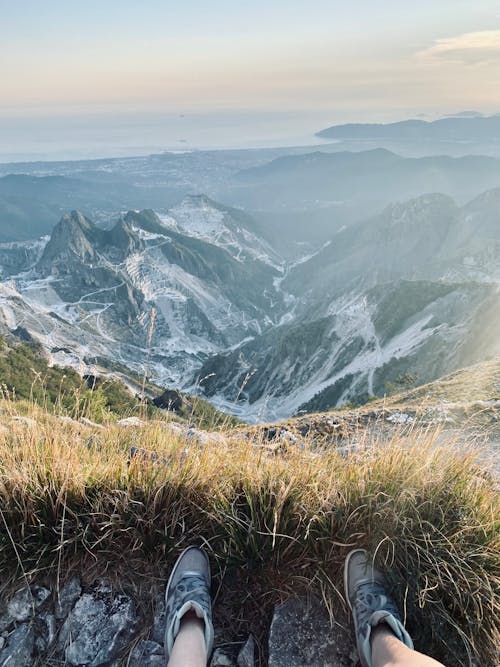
{"x":147,"y":654}
{"x":221,"y":658}
{"x":18,"y":651}
{"x":246,"y":657}
{"x":45,"y":625}
{"x":67,"y":597}
{"x":301,"y":635}
{"x":98,"y":629}
{"x":26,"y":601}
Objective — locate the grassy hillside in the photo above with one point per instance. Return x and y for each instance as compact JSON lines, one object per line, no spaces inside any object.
{"x":274,"y":523}
{"x":480,"y":382}
{"x":25,"y":374}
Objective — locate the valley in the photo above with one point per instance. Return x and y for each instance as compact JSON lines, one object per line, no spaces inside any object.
{"x":199,"y":299}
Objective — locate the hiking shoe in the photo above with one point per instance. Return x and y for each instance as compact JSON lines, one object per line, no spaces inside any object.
{"x":370,"y":603}
{"x":188,"y":589}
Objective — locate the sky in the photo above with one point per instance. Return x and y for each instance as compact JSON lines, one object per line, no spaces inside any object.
{"x":121,"y":70}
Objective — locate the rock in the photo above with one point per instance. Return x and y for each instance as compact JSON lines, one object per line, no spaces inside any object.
{"x":400,"y":418}
{"x":27,"y":421}
{"x":68,"y":420}
{"x":67,"y":597}
{"x":46,"y":631}
{"x":130,"y":421}
{"x":301,"y":635}
{"x":209,"y":437}
{"x":93,"y":381}
{"x":5,"y":618}
{"x":147,"y":654}
{"x":199,"y":437}
{"x":246,"y":657}
{"x":221,"y":659}
{"x":89,"y":422}
{"x":175,"y":429}
{"x":19,"y":649}
{"x":159,"y":620}
{"x":98,"y":628}
{"x":24,"y":603}
{"x":171,"y":400}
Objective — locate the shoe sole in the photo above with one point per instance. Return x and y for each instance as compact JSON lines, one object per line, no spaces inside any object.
{"x":174,"y":570}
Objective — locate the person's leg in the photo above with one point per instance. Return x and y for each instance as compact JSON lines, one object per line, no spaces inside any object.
{"x":189,"y":649}
{"x":381,"y":638}
{"x":189,"y":633}
{"x":389,"y":651}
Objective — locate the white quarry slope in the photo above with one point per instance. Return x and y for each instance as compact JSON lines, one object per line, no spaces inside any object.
{"x":77,"y":333}
{"x":169,"y":287}
{"x":37,"y":308}
{"x":345,"y":349}
{"x":194,"y":316}
{"x":352,"y":321}
{"x":20,"y":255}
{"x":202,"y":218}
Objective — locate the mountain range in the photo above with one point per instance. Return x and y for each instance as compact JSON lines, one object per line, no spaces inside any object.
{"x":468,"y":126}
{"x":295,"y":197}
{"x":197,"y":298}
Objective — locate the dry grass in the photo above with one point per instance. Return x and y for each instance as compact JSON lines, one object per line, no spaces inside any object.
{"x":480,"y":382}
{"x":283,"y":522}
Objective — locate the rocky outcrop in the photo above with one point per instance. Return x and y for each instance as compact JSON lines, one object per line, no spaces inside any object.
{"x":90,"y":626}
{"x":73,"y":238}
{"x":170,"y":399}
{"x":301,"y":634}
{"x":98,"y":628}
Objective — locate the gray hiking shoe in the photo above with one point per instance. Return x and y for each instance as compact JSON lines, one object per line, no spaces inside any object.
{"x":370,"y":603}
{"x":188,"y":589}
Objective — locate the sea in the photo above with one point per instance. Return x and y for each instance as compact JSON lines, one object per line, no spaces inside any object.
{"x":105,"y":135}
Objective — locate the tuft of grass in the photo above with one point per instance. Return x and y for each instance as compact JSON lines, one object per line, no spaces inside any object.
{"x":69,"y":495}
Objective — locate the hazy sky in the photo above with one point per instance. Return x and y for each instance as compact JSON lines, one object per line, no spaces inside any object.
{"x":357,"y":60}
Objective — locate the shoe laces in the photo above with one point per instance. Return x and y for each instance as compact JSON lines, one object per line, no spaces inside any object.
{"x":191,"y":588}
{"x":372,"y":597}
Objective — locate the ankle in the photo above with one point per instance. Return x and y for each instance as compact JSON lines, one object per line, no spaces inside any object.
{"x":382,"y":632}
{"x":191,"y":620}
{"x":386,"y":648}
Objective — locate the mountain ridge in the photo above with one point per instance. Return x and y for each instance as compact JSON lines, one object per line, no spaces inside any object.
{"x":383,"y":298}
{"x":453,"y":128}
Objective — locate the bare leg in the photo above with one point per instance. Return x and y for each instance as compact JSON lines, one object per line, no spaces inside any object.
{"x":189,"y":648}
{"x":388,"y":651}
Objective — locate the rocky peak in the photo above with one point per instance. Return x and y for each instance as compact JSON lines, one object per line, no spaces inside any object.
{"x":122,"y":240}
{"x":72,"y":237}
{"x":147,"y":220}
{"x":77,"y":239}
